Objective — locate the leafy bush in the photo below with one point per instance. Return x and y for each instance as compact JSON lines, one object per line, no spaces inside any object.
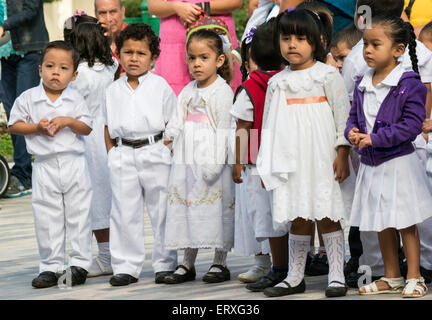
{"x":240,"y":18}
{"x":133,"y":8}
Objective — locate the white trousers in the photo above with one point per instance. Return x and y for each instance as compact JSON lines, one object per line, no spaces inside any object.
{"x":61,"y":202}
{"x":139,"y":176}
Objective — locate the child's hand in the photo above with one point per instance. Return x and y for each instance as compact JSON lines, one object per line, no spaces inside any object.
{"x":427,"y":126}
{"x":425,"y":136}
{"x":340,"y":164}
{"x":236,"y":173}
{"x":44,"y":127}
{"x":168,"y":144}
{"x":58,"y":123}
{"x":365,"y":141}
{"x":353,"y":136}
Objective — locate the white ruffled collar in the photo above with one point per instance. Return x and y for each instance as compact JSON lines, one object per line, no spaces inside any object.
{"x":305,"y":79}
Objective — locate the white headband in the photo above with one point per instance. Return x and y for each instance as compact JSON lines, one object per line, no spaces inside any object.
{"x":226,"y":44}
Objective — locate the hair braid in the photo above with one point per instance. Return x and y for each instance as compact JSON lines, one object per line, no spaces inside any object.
{"x":412,"y":46}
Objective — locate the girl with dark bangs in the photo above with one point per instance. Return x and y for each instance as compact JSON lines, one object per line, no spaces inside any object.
{"x":95,"y":72}
{"x":303,"y":154}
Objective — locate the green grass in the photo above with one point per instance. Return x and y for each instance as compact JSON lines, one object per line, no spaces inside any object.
{"x":240,"y":18}
{"x":6,"y":148}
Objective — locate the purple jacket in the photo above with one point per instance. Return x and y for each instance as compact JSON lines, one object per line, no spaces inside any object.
{"x":398,"y":122}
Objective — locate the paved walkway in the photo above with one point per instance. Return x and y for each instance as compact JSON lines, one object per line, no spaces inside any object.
{"x":19,"y":261}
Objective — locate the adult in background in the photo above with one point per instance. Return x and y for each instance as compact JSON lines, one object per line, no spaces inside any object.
{"x":24,"y":20}
{"x":111,"y":14}
{"x":176,"y":16}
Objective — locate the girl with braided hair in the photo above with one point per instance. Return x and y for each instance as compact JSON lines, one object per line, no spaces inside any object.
{"x":392,"y":190}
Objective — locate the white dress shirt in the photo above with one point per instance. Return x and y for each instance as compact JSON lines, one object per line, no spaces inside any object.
{"x":374,"y":96}
{"x":33,"y":105}
{"x":140,"y":113}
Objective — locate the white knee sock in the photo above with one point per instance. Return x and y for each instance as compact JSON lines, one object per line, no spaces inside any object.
{"x":335,"y":247}
{"x":298,"y":249}
{"x":189,"y":258}
{"x":219,"y":258}
{"x":104,"y":253}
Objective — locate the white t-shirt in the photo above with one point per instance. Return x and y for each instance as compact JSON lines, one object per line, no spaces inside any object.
{"x":355,"y":66}
{"x":140,"y":113}
{"x":33,"y":105}
{"x":243,"y":108}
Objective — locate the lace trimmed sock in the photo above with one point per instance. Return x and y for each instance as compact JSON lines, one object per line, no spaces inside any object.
{"x":298,"y":249}
{"x":335,"y":247}
{"x":219,"y":258}
{"x":104,"y":254}
{"x":189,"y":258}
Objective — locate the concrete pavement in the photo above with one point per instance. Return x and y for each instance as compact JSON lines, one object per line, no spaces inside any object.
{"x":19,"y":260}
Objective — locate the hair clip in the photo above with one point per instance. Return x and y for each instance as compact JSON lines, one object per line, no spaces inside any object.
{"x":250,"y":34}
{"x":78,"y":13}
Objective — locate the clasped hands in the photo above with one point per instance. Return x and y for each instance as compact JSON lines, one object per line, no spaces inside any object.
{"x":359,"y":140}
{"x":50,"y":128}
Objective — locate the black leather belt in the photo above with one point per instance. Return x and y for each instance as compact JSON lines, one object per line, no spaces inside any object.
{"x":140,"y":143}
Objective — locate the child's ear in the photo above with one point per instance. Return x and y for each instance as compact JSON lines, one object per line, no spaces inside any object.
{"x":399,"y":50}
{"x":40,"y":70}
{"x":220,"y":60}
{"x":75,"y":75}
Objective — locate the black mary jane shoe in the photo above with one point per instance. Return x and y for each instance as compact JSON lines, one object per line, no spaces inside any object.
{"x":332,"y":292}
{"x":45,"y":279}
{"x":282,"y":291}
{"x":160,"y":276}
{"x":122,"y":279}
{"x":269,"y":280}
{"x":215,"y":277}
{"x":176,"y":278}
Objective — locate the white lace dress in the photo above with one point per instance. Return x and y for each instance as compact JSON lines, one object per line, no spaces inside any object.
{"x":304,"y":119}
{"x":201,"y":203}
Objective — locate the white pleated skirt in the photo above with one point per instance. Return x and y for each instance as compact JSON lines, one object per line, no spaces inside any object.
{"x":395,"y":194}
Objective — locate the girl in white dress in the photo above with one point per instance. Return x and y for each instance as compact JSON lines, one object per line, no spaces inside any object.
{"x":392,"y":189}
{"x":304,"y":155}
{"x":201,"y":193}
{"x":95,"y":72}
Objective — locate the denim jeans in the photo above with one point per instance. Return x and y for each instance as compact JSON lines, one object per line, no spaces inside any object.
{"x":17,"y":75}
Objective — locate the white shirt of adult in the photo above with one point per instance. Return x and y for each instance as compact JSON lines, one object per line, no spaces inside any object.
{"x":33,"y":105}
{"x":140,"y":113}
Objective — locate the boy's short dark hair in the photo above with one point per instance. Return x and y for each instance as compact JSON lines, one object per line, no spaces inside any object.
{"x":139,"y":31}
{"x":427,"y":30}
{"x":263,"y":50}
{"x":349,"y":35}
{"x":63,"y":45}
{"x":378,"y":7}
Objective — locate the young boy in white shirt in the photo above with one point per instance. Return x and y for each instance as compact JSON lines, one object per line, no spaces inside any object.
{"x":138,"y":106}
{"x":53,"y":118}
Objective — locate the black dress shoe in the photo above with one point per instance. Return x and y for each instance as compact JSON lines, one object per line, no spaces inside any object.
{"x":215,"y":277}
{"x":122,"y":279}
{"x":282,"y":291}
{"x":269,"y":280}
{"x":160,"y":276}
{"x":79,"y":275}
{"x":351,"y":266}
{"x":332,"y":292}
{"x":319,"y":265}
{"x":45,"y":279}
{"x":176,"y":278}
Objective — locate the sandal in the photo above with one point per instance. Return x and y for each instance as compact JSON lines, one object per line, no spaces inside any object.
{"x":412,"y":285}
{"x":396,"y":285}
